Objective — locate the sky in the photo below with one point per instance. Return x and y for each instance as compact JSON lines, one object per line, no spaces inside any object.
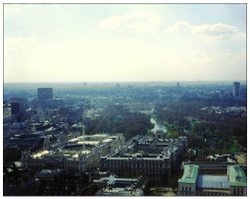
{"x":124,"y":42}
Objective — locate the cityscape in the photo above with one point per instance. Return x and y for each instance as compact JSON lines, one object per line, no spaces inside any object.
{"x":124,"y":100}
{"x":125,"y":139}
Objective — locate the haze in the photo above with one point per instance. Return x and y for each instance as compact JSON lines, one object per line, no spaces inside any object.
{"x":142,"y":42}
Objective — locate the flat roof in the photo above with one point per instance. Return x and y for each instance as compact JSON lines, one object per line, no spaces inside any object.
{"x":88,"y":142}
{"x":190,"y":174}
{"x":138,"y":158}
{"x":107,"y":140}
{"x":213,"y":182}
{"x":40,"y":154}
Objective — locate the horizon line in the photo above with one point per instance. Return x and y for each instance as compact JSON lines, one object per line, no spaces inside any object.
{"x":129,"y":81}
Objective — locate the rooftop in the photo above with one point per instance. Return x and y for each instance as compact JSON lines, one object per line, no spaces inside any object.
{"x":40,"y":154}
{"x":237,"y":176}
{"x":190,"y":174}
{"x":213,"y":182}
{"x":119,"y":186}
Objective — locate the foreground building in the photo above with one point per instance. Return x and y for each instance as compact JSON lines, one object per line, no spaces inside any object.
{"x":114,"y":186}
{"x":79,"y":153}
{"x":147,"y":156}
{"x":230,"y":183}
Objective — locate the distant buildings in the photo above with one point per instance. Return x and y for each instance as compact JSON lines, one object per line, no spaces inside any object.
{"x":236,"y":89}
{"x":150,"y":156}
{"x":44,"y":94}
{"x":71,"y":114}
{"x":195,"y":181}
{"x":6,"y":112}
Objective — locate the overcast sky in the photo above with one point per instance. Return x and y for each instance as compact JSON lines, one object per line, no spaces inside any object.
{"x":142,"y":42}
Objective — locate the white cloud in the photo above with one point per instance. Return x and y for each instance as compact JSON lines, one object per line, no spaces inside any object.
{"x":181,"y":26}
{"x":216,"y":31}
{"x":137,"y":21}
{"x":208,"y":32}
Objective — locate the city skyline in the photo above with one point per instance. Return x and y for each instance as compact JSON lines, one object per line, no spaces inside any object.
{"x":126,"y":42}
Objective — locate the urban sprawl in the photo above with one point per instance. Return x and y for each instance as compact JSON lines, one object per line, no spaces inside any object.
{"x":125,"y":139}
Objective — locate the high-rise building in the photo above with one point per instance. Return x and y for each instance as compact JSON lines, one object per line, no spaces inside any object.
{"x":15,"y":108}
{"x":44,"y":94}
{"x":236,"y":89}
{"x":18,"y":105}
{"x":18,"y":108}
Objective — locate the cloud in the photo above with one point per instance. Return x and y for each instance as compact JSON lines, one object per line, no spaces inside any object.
{"x":208,"y":32}
{"x":217,"y":31}
{"x":181,"y":26}
{"x":137,"y":21}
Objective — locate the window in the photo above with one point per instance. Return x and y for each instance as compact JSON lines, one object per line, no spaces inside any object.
{"x":241,"y":191}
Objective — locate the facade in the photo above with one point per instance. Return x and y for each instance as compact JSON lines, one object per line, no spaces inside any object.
{"x":78,"y":153}
{"x":150,"y":156}
{"x":236,"y":89}
{"x":44,"y":94}
{"x":232,"y":182}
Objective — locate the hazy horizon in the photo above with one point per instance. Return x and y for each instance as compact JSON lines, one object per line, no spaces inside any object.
{"x":156,"y":81}
{"x":124,"y":43}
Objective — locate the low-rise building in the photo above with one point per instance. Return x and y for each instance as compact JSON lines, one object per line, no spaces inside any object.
{"x":231,"y":182}
{"x":79,"y":153}
{"x":114,"y":186}
{"x":144,"y":155}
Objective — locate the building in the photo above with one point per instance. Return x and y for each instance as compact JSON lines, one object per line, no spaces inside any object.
{"x":71,"y":114}
{"x":241,"y":158}
{"x":18,"y":108}
{"x":231,"y":182}
{"x":114,"y":186}
{"x":236,"y":89}
{"x":6,"y":112}
{"x":18,"y":105}
{"x":78,"y":153}
{"x":147,"y":156}
{"x":44,"y":94}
